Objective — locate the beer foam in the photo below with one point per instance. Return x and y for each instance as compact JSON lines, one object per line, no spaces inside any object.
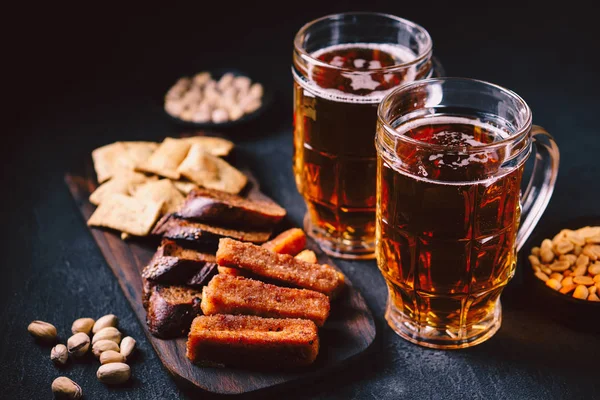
{"x":359,"y":80}
{"x":463,"y":139}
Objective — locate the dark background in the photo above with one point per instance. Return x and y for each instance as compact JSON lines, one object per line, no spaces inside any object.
{"x":82,"y":76}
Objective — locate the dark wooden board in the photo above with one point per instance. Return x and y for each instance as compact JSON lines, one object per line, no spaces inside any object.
{"x":349,"y":331}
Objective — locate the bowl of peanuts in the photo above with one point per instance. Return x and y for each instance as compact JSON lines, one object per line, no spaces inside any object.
{"x":565,"y":272}
{"x":218,"y":98}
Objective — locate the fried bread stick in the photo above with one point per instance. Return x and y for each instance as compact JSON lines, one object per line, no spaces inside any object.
{"x":226,"y":294}
{"x":279,"y":267}
{"x":249,"y":341}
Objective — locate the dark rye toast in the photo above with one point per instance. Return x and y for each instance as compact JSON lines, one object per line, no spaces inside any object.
{"x":176,"y":265}
{"x":201,"y":235}
{"x":228,"y":210}
{"x":250,"y":341}
{"x":171,"y":310}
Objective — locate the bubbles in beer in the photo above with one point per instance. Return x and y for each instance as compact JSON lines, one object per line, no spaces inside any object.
{"x":356,"y":78}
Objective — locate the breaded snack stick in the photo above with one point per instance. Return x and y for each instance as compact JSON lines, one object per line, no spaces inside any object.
{"x":227,"y":294}
{"x":279,"y":267}
{"x":249,"y":341}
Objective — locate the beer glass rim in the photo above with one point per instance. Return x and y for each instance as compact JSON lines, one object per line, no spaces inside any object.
{"x":516,"y":136}
{"x":299,"y":46}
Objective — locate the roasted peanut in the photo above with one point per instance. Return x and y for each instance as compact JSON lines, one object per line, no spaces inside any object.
{"x":559,"y":266}
{"x":581,"y":292}
{"x":563,"y":246}
{"x":542,"y":276}
{"x":557,"y":276}
{"x":554,"y":284}
{"x":567,"y":289}
{"x":583,"y":280}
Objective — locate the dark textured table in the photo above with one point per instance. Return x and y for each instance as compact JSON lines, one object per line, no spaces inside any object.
{"x":84,"y":79}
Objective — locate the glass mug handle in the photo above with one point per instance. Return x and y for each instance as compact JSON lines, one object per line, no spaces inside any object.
{"x":541,"y":184}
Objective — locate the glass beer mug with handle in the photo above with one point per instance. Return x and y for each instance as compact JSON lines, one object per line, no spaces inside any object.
{"x":450,"y":215}
{"x":343,"y":66}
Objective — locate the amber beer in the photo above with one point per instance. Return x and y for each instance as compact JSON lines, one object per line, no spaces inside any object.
{"x":336,"y":93}
{"x":448,"y":209}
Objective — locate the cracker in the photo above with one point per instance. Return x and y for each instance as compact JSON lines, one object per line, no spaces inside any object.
{"x":213,"y":145}
{"x":115,"y":158}
{"x":211,"y":172}
{"x":126,"y":214}
{"x":159,"y":191}
{"x":185,"y":187}
{"x":165,"y":160}
{"x":118,"y":184}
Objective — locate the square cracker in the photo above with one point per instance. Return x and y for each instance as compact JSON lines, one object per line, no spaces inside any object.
{"x":126,"y":214}
{"x":114,"y":158}
{"x":185,"y":187}
{"x":213,"y":145}
{"x":118,"y":184}
{"x":165,"y":160}
{"x":211,"y":172}
{"x":159,"y":191}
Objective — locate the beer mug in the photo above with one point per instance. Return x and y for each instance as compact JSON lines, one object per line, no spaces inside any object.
{"x":450,"y":214}
{"x":343,"y":66}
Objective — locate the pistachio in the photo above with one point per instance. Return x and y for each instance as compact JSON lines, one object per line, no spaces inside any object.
{"x":581,"y":292}
{"x":114,"y":373}
{"x":83,"y":325}
{"x":43,"y":331}
{"x":127,"y":346}
{"x":111,"y":356}
{"x":104,"y":345}
{"x":108,"y":333}
{"x":59,"y":354}
{"x":64,"y":388}
{"x":106,"y":321}
{"x":78,"y":344}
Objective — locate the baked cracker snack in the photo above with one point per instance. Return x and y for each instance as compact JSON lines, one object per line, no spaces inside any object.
{"x":211,"y":172}
{"x":126,"y":214}
{"x":118,"y":184}
{"x":185,"y":187}
{"x":114,"y":158}
{"x":249,"y":341}
{"x":159,"y":191}
{"x":235,"y":295}
{"x":216,"y":146}
{"x":165,"y":160}
{"x":279,"y":267}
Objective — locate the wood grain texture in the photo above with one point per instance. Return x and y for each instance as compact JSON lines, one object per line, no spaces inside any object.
{"x":349,"y":331}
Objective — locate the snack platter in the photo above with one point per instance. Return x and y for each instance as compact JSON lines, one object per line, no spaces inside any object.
{"x":348,"y":331}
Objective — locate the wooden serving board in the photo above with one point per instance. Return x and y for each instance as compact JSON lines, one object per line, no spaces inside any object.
{"x":349,"y":331}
